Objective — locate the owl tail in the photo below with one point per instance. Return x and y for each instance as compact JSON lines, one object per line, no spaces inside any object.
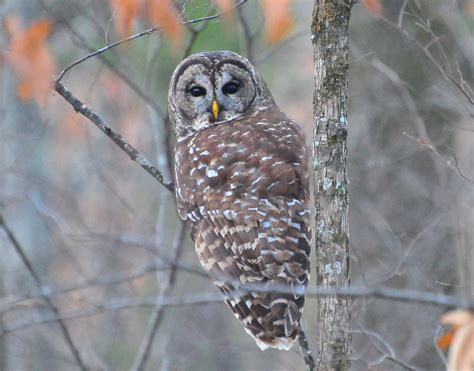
{"x":279,"y":326}
{"x":271,"y":319}
{"x":280,"y":343}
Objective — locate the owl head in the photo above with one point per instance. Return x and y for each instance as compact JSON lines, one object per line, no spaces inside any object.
{"x":212,"y":88}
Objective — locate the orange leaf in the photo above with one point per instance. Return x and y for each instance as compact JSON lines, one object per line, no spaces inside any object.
{"x":277,"y":19}
{"x":31,"y":58}
{"x":446,"y":339}
{"x":456,"y":318}
{"x":373,"y":6}
{"x":125,"y":12}
{"x":461,"y":352}
{"x":165,"y":14}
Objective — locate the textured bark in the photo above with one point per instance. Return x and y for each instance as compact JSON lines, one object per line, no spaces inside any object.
{"x":329,"y":36}
{"x":465,"y":218}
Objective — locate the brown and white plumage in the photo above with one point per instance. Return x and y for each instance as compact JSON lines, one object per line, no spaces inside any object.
{"x":242,"y":188}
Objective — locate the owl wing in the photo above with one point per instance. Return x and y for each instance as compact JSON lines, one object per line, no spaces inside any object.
{"x":273,"y":250}
{"x":244,"y":196}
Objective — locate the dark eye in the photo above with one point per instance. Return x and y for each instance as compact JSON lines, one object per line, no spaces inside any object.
{"x":230,"y":88}
{"x":197,"y":91}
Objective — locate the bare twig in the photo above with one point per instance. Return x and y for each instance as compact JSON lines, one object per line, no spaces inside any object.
{"x":401,"y":13}
{"x":441,"y":69}
{"x":390,"y":357}
{"x":157,"y":314}
{"x":82,"y":42}
{"x":138,"y":35}
{"x":248,"y":36}
{"x":115,"y":137}
{"x":29,"y":266}
{"x":432,"y":149}
{"x":124,"y":76}
{"x":108,"y":280}
{"x":383,"y":293}
{"x":94,"y":118}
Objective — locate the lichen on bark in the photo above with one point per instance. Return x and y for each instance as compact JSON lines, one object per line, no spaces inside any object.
{"x":329,"y":36}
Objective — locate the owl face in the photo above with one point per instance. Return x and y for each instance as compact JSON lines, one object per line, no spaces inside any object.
{"x":214,"y":87}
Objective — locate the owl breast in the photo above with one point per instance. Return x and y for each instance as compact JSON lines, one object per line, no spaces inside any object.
{"x":242,"y":187}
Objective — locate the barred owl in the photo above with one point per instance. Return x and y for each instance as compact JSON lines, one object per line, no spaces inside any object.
{"x":242,"y":188}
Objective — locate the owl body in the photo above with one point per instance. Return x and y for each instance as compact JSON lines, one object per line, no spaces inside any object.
{"x":242,"y":188}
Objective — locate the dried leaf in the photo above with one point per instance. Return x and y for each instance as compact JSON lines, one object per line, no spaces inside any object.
{"x":125,"y":12}
{"x":277,"y":19}
{"x":31,"y":59}
{"x":373,"y":6}
{"x":445,"y":340}
{"x":165,"y":14}
{"x":456,"y":317}
{"x":461,"y":352}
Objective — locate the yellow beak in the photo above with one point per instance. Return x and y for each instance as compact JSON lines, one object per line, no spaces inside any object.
{"x":215,"y":109}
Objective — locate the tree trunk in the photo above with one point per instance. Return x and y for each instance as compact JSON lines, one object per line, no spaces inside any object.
{"x":329,"y":35}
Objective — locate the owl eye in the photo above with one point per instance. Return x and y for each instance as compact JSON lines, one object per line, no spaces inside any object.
{"x":230,"y":88}
{"x":197,"y":91}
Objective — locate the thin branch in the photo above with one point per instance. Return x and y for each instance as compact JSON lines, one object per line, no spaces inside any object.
{"x":384,"y":356}
{"x":115,"y":137}
{"x":401,"y":14}
{"x":94,"y":118}
{"x":442,"y":70}
{"x":158,"y":311}
{"x":124,"y":76}
{"x":79,"y":40}
{"x":462,"y":89}
{"x":138,"y":35}
{"x":115,"y":279}
{"x":113,"y":306}
{"x":29,"y":266}
{"x":383,"y":293}
{"x":433,"y":150}
{"x":457,"y":167}
{"x":248,"y":36}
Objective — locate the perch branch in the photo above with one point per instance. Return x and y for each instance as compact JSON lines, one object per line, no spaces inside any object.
{"x":115,"y":137}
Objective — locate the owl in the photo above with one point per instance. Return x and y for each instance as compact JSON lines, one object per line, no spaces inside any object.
{"x":241,"y":169}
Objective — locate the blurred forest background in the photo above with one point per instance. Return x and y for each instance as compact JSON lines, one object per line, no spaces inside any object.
{"x":103,"y":237}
